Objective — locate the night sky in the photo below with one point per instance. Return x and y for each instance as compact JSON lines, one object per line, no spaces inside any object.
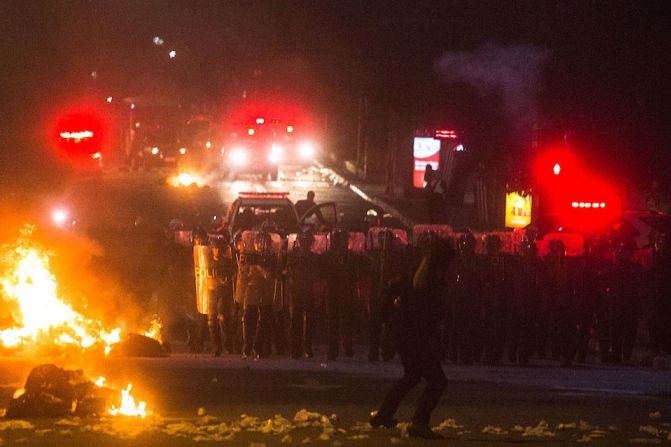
{"x":601,"y":68}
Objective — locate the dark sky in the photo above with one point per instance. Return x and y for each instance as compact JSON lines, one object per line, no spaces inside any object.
{"x":606,"y":72}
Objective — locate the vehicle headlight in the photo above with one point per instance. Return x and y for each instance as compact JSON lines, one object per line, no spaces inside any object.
{"x":154,"y":150}
{"x":306,"y":150}
{"x":239,"y":157}
{"x":182,"y":151}
{"x":275,"y":153}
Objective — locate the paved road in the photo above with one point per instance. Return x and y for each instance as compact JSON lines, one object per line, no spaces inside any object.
{"x":482,"y":405}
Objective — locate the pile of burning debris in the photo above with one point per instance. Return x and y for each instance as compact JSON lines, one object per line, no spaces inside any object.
{"x":51,"y":391}
{"x":37,"y":319}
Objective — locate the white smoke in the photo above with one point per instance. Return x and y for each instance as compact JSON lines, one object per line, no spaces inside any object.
{"x":512,"y":73}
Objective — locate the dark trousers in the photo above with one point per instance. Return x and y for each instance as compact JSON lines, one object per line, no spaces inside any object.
{"x":250,"y":320}
{"x":281,"y":330}
{"x":565,"y":338}
{"x":623,"y":336}
{"x":522,"y":338}
{"x":340,"y":323}
{"x":418,"y":363}
{"x":264,"y":331}
{"x":465,"y":340}
{"x":302,"y":330}
{"x":494,"y":333}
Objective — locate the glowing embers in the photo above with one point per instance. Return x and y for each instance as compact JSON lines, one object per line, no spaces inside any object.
{"x":128,"y":407}
{"x":77,"y":136}
{"x":39,"y":317}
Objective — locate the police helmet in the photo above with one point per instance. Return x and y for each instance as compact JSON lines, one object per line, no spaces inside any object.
{"x":528,"y":247}
{"x":220,"y":240}
{"x":340,"y":239}
{"x":467,"y":243}
{"x":268,"y":226}
{"x":557,"y":247}
{"x":493,"y":244}
{"x":425,"y":240}
{"x":385,"y":238}
{"x":199,"y":236}
{"x":176,"y":225}
{"x":625,"y":250}
{"x":263,"y":242}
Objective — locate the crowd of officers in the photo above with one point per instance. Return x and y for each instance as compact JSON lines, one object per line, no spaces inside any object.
{"x":494,"y":304}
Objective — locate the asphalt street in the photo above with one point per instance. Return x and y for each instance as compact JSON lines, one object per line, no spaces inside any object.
{"x":198,"y":399}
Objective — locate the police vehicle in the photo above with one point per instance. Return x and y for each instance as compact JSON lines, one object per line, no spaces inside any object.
{"x":251,"y":210}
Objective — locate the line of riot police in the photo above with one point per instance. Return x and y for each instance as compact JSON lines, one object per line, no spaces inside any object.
{"x":259,"y":290}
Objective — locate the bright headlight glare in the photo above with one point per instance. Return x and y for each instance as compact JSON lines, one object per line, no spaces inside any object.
{"x":307,"y":150}
{"x":239,"y":157}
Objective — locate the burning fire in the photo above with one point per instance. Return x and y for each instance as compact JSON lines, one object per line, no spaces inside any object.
{"x":186,"y":179}
{"x":40,"y":316}
{"x":154,"y":330}
{"x":128,"y":407}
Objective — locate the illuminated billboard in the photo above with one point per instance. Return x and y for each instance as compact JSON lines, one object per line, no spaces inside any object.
{"x":518,"y":210}
{"x":425,"y":151}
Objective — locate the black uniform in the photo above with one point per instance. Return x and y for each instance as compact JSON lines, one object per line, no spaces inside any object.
{"x":341,"y":267}
{"x":496,"y":305}
{"x":660,"y":324}
{"x":417,"y":303}
{"x":302,"y":271}
{"x":221,"y":320}
{"x":562,"y":281}
{"x":525,"y":309}
{"x":625,"y":284}
{"x":386,"y":264}
{"x":465,"y":305}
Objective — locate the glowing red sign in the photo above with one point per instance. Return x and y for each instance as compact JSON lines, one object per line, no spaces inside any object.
{"x":426,"y":151}
{"x":77,"y":136}
{"x":446,"y":134}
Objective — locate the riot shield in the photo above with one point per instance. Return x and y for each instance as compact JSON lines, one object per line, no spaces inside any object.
{"x":319,"y":244}
{"x":202,"y":256}
{"x":441,"y":230}
{"x":400,"y":237}
{"x":574,"y":243}
{"x":246,"y":243}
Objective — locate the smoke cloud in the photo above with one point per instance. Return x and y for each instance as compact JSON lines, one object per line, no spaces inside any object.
{"x":512,"y":73}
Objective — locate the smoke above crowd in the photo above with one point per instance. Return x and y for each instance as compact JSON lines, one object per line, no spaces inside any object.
{"x":513,"y":74}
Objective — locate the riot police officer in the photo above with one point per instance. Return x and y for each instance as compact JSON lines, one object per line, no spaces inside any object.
{"x":660,"y":322}
{"x":562,"y":288}
{"x":387,"y":263}
{"x":626,"y":292}
{"x":526,"y":302}
{"x":255,"y":291}
{"x":465,"y":303}
{"x":342,"y":269}
{"x":301,"y":272}
{"x":220,"y":285}
{"x":200,"y":261}
{"x":593,"y":308}
{"x":495,"y":295}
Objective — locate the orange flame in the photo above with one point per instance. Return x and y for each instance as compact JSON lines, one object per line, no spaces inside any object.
{"x":128,"y":406}
{"x":154,"y":330}
{"x":40,"y":316}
